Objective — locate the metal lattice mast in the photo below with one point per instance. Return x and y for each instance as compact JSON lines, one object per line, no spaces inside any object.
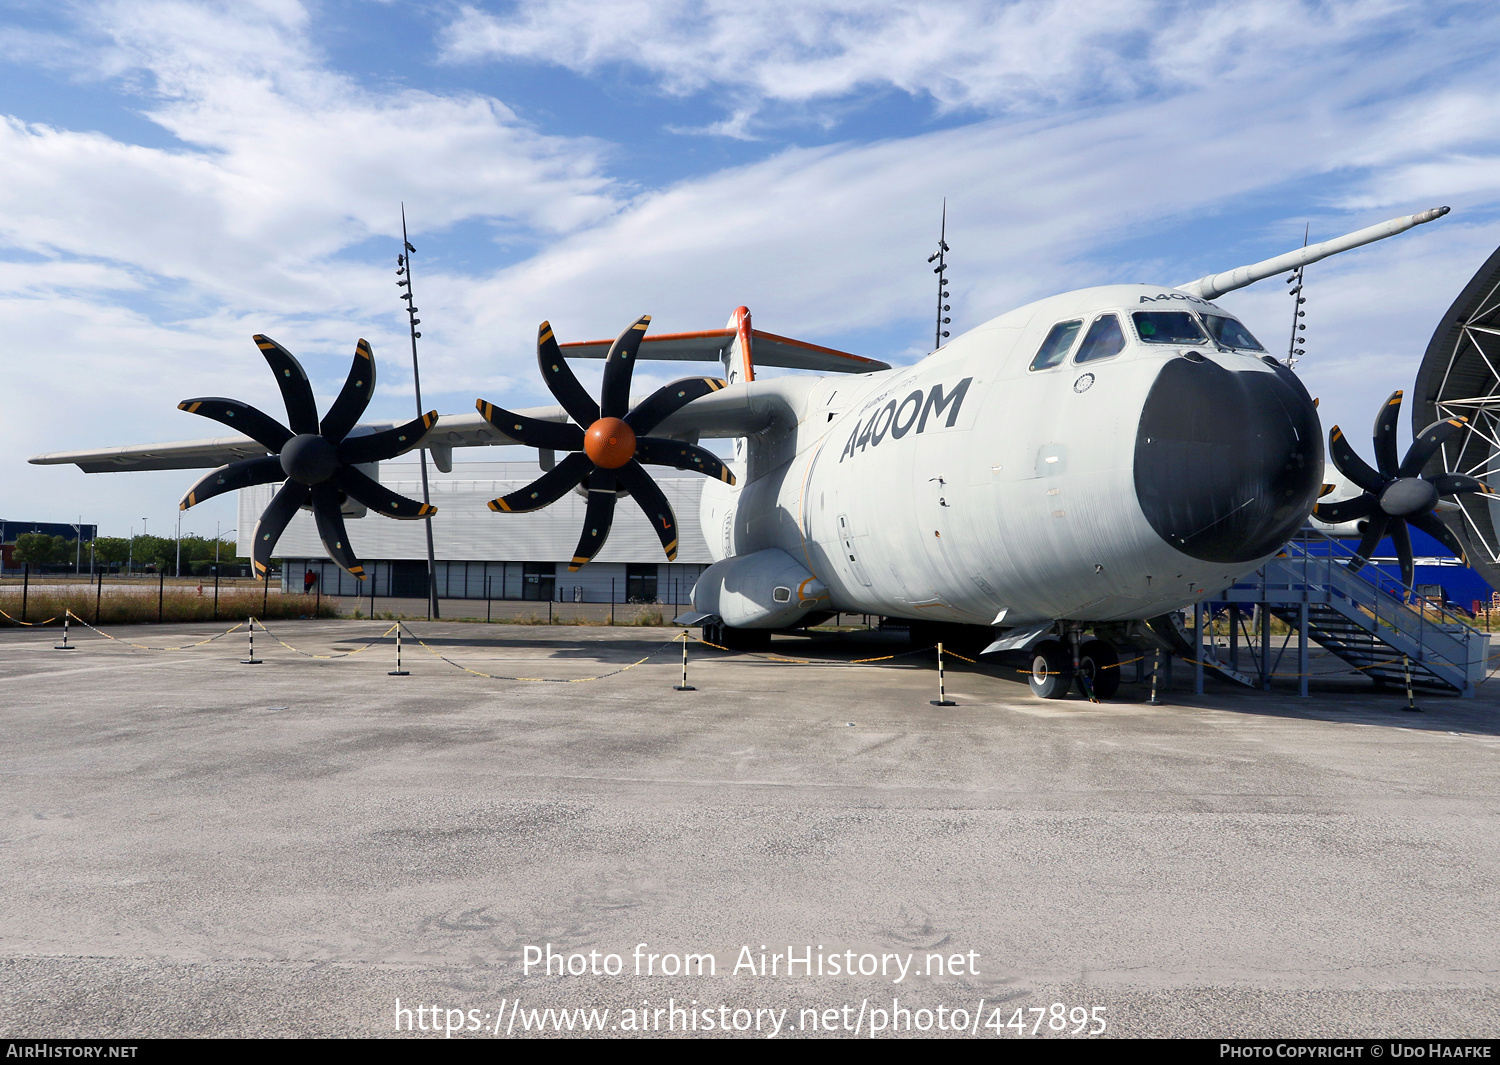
{"x":941,"y":257}
{"x":403,"y":262}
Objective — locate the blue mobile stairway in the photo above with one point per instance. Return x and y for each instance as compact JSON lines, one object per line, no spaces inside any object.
{"x":1364,"y":618}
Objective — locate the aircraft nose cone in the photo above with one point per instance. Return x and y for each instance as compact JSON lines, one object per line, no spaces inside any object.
{"x":1228,"y":464}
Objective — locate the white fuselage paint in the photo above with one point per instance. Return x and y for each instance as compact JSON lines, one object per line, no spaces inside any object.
{"x":1023,"y":509}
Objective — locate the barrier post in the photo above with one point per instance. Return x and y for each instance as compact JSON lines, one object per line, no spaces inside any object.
{"x":64,"y":645}
{"x":398,"y":671}
{"x":250,"y":660}
{"x":942,"y":699}
{"x":1406,"y":665}
{"x":25,"y":590}
{"x":1302,"y":655}
{"x":684,"y":686}
{"x":1155,"y":673}
{"x":1200,"y":615}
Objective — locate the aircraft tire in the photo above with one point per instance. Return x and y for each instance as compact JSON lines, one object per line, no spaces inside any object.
{"x":1051,"y":670}
{"x":1099,"y":665}
{"x":738,"y":639}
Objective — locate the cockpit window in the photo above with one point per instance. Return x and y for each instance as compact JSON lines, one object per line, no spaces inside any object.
{"x":1168,"y":327}
{"x":1057,"y":345}
{"x":1231,"y":334}
{"x":1104,"y":339}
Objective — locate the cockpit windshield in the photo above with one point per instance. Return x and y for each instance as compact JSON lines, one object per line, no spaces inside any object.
{"x":1168,"y":327}
{"x":1231,"y":334}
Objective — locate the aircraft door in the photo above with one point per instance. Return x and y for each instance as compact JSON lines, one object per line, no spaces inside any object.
{"x":851,"y":551}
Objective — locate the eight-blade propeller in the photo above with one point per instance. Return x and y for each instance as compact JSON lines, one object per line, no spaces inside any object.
{"x":316,"y":459}
{"x":1395,"y":494}
{"x":608,"y":441}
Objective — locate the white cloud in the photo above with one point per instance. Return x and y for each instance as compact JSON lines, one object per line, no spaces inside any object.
{"x":284,"y":164}
{"x":996,"y":57}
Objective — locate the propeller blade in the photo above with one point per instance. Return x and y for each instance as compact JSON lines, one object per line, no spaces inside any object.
{"x":560,"y":380}
{"x":634,"y":479}
{"x":1427,"y":443}
{"x":1436,"y":528}
{"x":548,"y":488}
{"x":1374,"y":532}
{"x":273,"y":523}
{"x":1452,"y":484}
{"x":388,"y":444}
{"x":359,"y":386}
{"x":597,"y":519}
{"x":234,"y":476}
{"x":325,"y":504}
{"x":1401,"y":539}
{"x":1346,"y":509}
{"x":658,"y":451}
{"x":1386,"y":460}
{"x":1350,"y":464}
{"x":378,"y":497}
{"x":668,"y":399}
{"x":291,"y":378}
{"x":533,"y":432}
{"x":614,"y":394}
{"x":257,"y":425}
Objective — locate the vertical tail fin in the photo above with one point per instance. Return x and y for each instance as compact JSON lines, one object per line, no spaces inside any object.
{"x":739,"y":358}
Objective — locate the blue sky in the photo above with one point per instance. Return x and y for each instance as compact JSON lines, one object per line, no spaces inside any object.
{"x":177,"y":176}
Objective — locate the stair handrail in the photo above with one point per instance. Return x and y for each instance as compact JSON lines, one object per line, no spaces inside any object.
{"x":1339,"y":554}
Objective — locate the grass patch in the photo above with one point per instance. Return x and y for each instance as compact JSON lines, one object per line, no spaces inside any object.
{"x":177,"y":605}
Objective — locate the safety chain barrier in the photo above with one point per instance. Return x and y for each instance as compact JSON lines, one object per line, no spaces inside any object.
{"x":535,"y":680}
{"x":148,"y":647}
{"x":32,"y":624}
{"x":308,"y":654}
{"x":685,"y":637}
{"x":788,"y":660}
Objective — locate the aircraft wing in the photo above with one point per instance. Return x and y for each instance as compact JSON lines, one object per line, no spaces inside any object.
{"x":450,"y":431}
{"x":708,"y":346}
{"x":733,"y":411}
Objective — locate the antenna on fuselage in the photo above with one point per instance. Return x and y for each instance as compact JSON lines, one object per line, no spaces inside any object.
{"x":1293,"y":352}
{"x":940,"y":256}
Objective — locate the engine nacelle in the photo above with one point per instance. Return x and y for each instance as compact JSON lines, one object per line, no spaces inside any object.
{"x":765,"y":590}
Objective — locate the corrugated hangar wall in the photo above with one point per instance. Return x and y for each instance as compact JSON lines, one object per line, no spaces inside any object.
{"x":467,"y":535}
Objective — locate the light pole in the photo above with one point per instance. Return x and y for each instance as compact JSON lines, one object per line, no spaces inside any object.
{"x":179,"y":543}
{"x":216,"y":544}
{"x":403,"y":261}
{"x":130,"y":558}
{"x":78,"y":554}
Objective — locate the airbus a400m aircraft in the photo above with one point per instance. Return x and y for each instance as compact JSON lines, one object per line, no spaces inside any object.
{"x":1050,"y":479}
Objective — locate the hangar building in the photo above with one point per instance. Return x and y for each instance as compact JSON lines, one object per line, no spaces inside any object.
{"x":481,"y":553}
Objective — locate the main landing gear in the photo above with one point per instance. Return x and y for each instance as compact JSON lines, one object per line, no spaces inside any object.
{"x":1052,"y":674}
{"x":716,"y":632}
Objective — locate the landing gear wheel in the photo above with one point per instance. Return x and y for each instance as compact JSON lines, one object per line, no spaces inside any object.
{"x":733,"y":639}
{"x":1051,"y":670}
{"x":1098,"y":669}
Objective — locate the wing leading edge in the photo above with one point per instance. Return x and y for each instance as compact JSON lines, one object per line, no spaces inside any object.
{"x":709,"y":345}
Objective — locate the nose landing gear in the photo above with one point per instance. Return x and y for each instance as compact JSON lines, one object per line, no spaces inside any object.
{"x":1052,"y":671}
{"x":1098,"y":669}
